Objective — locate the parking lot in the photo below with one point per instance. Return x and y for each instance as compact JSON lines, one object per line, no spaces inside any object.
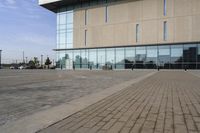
{"x":25,"y":92}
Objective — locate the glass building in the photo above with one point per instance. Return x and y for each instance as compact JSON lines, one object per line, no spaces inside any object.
{"x":176,"y":56}
{"x":146,"y":41}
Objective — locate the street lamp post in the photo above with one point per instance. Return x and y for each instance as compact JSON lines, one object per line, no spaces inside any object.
{"x":26,"y":60}
{"x":42,"y":61}
{"x":23,"y":58}
{"x":0,"y":58}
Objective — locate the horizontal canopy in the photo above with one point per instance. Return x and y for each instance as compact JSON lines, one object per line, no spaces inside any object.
{"x":54,"y":4}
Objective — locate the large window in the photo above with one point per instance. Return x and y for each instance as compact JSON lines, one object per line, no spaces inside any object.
{"x":110,"y":57}
{"x":164,"y":57}
{"x":120,"y":58}
{"x":150,"y":57}
{"x":198,"y":57}
{"x":101,"y":58}
{"x":190,"y":56}
{"x":84,"y":58}
{"x":140,"y":57}
{"x":152,"y":54}
{"x":129,"y":57}
{"x":77,"y":59}
{"x":69,"y":59}
{"x":176,"y":56}
{"x":62,"y":59}
{"x":62,"y":40}
{"x":65,"y":28}
{"x":93,"y":58}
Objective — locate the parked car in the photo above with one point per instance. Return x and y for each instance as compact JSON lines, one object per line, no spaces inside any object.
{"x":30,"y":67}
{"x":53,"y":67}
{"x":12,"y":67}
{"x":21,"y":67}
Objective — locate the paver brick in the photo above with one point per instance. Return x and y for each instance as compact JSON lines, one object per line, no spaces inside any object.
{"x":163,"y":103}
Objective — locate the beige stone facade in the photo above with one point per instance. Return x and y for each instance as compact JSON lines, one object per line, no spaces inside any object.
{"x":182,"y":18}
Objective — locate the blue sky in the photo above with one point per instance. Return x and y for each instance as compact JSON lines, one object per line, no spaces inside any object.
{"x":25,"y":26}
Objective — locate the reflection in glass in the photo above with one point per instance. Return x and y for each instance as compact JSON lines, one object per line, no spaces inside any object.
{"x":140,"y":57}
{"x":57,"y":59}
{"x":190,"y":56}
{"x":164,"y":57}
{"x":101,"y":58}
{"x":77,"y":59}
{"x":69,"y":59}
{"x":110,"y":57}
{"x":64,"y":36}
{"x":176,"y":56}
{"x":198,"y":57}
{"x":84,"y":58}
{"x":62,"y":60}
{"x":129,"y":57}
{"x":120,"y":58}
{"x":150,"y":57}
{"x":152,"y":54}
{"x":93,"y":58}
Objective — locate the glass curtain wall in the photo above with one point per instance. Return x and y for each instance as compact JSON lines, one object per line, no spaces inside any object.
{"x":140,"y":57}
{"x":64,"y":34}
{"x":110,"y":58}
{"x":129,"y":58}
{"x":101,"y":58}
{"x":93,"y":58}
{"x":65,"y":28}
{"x":190,"y":56}
{"x":120,"y":58}
{"x":84,"y":59}
{"x":77,"y":59}
{"x":62,"y":59}
{"x":164,"y":57}
{"x":178,"y":56}
{"x":69,"y":59}
{"x":152,"y":55}
{"x":198,"y":57}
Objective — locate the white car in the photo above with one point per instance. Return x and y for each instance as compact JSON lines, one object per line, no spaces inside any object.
{"x":12,"y":67}
{"x":21,"y":67}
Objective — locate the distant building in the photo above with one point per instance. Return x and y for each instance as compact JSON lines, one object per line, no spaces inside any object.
{"x":125,"y":34}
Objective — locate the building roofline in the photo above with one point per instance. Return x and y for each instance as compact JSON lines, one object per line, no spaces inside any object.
{"x":53,"y":5}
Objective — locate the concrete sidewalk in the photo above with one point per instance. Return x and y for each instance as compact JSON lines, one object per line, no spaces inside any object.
{"x":167,"y":102}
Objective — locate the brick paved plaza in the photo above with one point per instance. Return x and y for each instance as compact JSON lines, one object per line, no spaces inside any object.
{"x":167,"y":102}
